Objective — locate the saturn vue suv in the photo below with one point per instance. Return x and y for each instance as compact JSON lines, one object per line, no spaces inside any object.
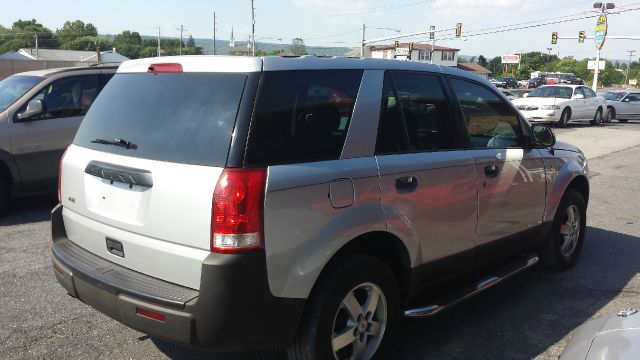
{"x":306,"y":203}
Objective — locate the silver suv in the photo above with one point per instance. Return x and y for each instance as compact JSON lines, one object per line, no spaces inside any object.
{"x":40,"y":112}
{"x":305,"y":203}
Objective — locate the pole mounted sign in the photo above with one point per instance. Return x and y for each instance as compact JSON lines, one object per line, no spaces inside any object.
{"x":600,"y":33}
{"x":510,"y":59}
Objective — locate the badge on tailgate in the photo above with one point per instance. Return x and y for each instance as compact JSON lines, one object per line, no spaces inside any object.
{"x":115,"y":247}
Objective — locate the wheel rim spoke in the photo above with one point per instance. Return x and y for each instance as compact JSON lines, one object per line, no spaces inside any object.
{"x":358,"y":349}
{"x":374,"y":328}
{"x":372,"y":301}
{"x":565,"y":229}
{"x":353,"y":307}
{"x":343,"y":339}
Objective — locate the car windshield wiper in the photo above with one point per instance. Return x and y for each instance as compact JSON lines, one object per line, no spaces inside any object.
{"x":118,"y":142}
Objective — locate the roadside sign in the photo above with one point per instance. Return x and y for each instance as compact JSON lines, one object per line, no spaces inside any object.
{"x":633,"y":82}
{"x":402,"y":51}
{"x":600,"y":31}
{"x":591,"y":65}
{"x":510,"y":59}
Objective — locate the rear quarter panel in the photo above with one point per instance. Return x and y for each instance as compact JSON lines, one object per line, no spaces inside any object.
{"x":562,"y":167}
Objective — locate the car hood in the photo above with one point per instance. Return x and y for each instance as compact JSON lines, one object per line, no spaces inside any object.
{"x":608,"y":338}
{"x":536,"y":101}
{"x":562,"y":145}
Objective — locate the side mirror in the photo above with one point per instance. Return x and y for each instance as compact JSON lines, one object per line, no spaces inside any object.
{"x":525,"y":95}
{"x":578,"y":96}
{"x":543,"y":135}
{"x":34,"y":108}
{"x":626,"y":100}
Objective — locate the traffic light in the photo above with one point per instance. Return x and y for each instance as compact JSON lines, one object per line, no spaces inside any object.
{"x":410,"y":47}
{"x":581,"y":36}
{"x":554,"y":38}
{"x":458,"y":29}
{"x":432,"y":32}
{"x":397,"y":44}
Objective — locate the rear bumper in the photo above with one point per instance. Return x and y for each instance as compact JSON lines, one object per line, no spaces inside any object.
{"x":233,"y":310}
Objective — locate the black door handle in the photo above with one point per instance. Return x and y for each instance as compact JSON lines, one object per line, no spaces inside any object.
{"x":491,"y":171}
{"x":406,"y":183}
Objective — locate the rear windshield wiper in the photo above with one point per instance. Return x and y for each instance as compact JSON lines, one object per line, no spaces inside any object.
{"x":118,"y":142}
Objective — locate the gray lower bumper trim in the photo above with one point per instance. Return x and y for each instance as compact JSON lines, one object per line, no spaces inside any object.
{"x":116,"y":279}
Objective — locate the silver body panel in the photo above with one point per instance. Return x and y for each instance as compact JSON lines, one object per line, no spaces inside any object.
{"x":607,"y":338}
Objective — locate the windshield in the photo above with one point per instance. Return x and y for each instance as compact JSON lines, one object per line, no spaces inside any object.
{"x":13,"y":87}
{"x":185,"y":117}
{"x":552,"y":92}
{"x":614,"y":96}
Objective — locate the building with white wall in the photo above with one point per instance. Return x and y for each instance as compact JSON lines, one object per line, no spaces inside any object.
{"x":444,"y":56}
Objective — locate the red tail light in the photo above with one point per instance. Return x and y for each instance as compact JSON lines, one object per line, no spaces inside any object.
{"x":237,"y":211}
{"x":60,"y":177}
{"x":164,"y":68}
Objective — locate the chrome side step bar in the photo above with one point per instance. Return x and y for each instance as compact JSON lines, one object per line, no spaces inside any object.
{"x":487,"y":282}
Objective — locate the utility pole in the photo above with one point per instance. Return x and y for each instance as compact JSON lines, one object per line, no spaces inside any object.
{"x":158,"y":40}
{"x":603,"y":7}
{"x":36,"y":35}
{"x":181,"y":30}
{"x":253,"y":29}
{"x":362,"y":43}
{"x":631,"y":53}
{"x":214,"y":33}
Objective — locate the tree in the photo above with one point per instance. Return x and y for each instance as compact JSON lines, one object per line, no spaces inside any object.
{"x":482,"y":61}
{"x":297,"y":47}
{"x":610,"y":75}
{"x":127,"y":38}
{"x":472,"y":59}
{"x":495,"y":65}
{"x":22,"y":35}
{"x":73,"y":31}
{"x":190,"y":42}
{"x":89,"y":43}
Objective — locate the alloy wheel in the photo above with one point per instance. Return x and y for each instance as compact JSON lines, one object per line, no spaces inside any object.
{"x":570,"y":231}
{"x":360,"y":323}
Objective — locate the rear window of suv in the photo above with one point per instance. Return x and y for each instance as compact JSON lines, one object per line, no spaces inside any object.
{"x":185,"y":118}
{"x":302,"y":116}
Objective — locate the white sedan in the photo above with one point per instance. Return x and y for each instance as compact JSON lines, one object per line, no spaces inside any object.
{"x":561,"y":103}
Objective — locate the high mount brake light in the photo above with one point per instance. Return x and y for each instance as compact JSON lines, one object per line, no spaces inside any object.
{"x":237,"y":211}
{"x":164,"y":68}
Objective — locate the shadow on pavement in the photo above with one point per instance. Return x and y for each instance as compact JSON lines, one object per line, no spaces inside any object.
{"x":29,"y":209}
{"x":519,"y":319}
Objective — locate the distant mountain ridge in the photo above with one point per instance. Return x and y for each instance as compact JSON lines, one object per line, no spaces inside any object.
{"x":222,"y":47}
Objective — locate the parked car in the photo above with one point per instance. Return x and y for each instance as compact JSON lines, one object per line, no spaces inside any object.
{"x":39,"y":114}
{"x":507,"y":82}
{"x":606,"y":338}
{"x":623,"y":105}
{"x":570,"y":79}
{"x":231,"y":203}
{"x":537,"y":81}
{"x":561,"y":103}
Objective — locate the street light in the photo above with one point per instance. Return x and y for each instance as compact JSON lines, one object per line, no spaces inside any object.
{"x":371,"y":27}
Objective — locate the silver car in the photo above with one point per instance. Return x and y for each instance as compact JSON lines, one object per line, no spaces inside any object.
{"x":623,"y":105}
{"x":40,"y":112}
{"x":305,"y":203}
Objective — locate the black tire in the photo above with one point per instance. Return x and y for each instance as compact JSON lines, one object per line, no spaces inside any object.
{"x":552,"y":253}
{"x":597,"y":118}
{"x":324,"y":307}
{"x":564,"y":118}
{"x":622,"y":120}
{"x":4,"y":195}
{"x":611,"y":114}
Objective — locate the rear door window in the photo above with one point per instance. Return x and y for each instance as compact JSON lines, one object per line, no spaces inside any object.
{"x":185,"y":118}
{"x":68,"y":97}
{"x":302,"y":116}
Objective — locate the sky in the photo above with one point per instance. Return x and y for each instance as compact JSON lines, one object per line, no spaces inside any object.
{"x":339,"y":22}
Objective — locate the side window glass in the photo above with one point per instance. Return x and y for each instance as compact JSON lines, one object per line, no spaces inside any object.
{"x":392,"y":134}
{"x":490,"y":121}
{"x":302,"y":116}
{"x":579,"y":91}
{"x":589,"y":93}
{"x":425,"y":110}
{"x":68,"y":97}
{"x":634,"y":97}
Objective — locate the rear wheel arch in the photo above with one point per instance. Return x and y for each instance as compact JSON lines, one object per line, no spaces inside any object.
{"x":6,"y":185}
{"x":382,"y":245}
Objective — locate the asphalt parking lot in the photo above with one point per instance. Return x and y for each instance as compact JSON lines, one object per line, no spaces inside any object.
{"x":530,"y":316}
